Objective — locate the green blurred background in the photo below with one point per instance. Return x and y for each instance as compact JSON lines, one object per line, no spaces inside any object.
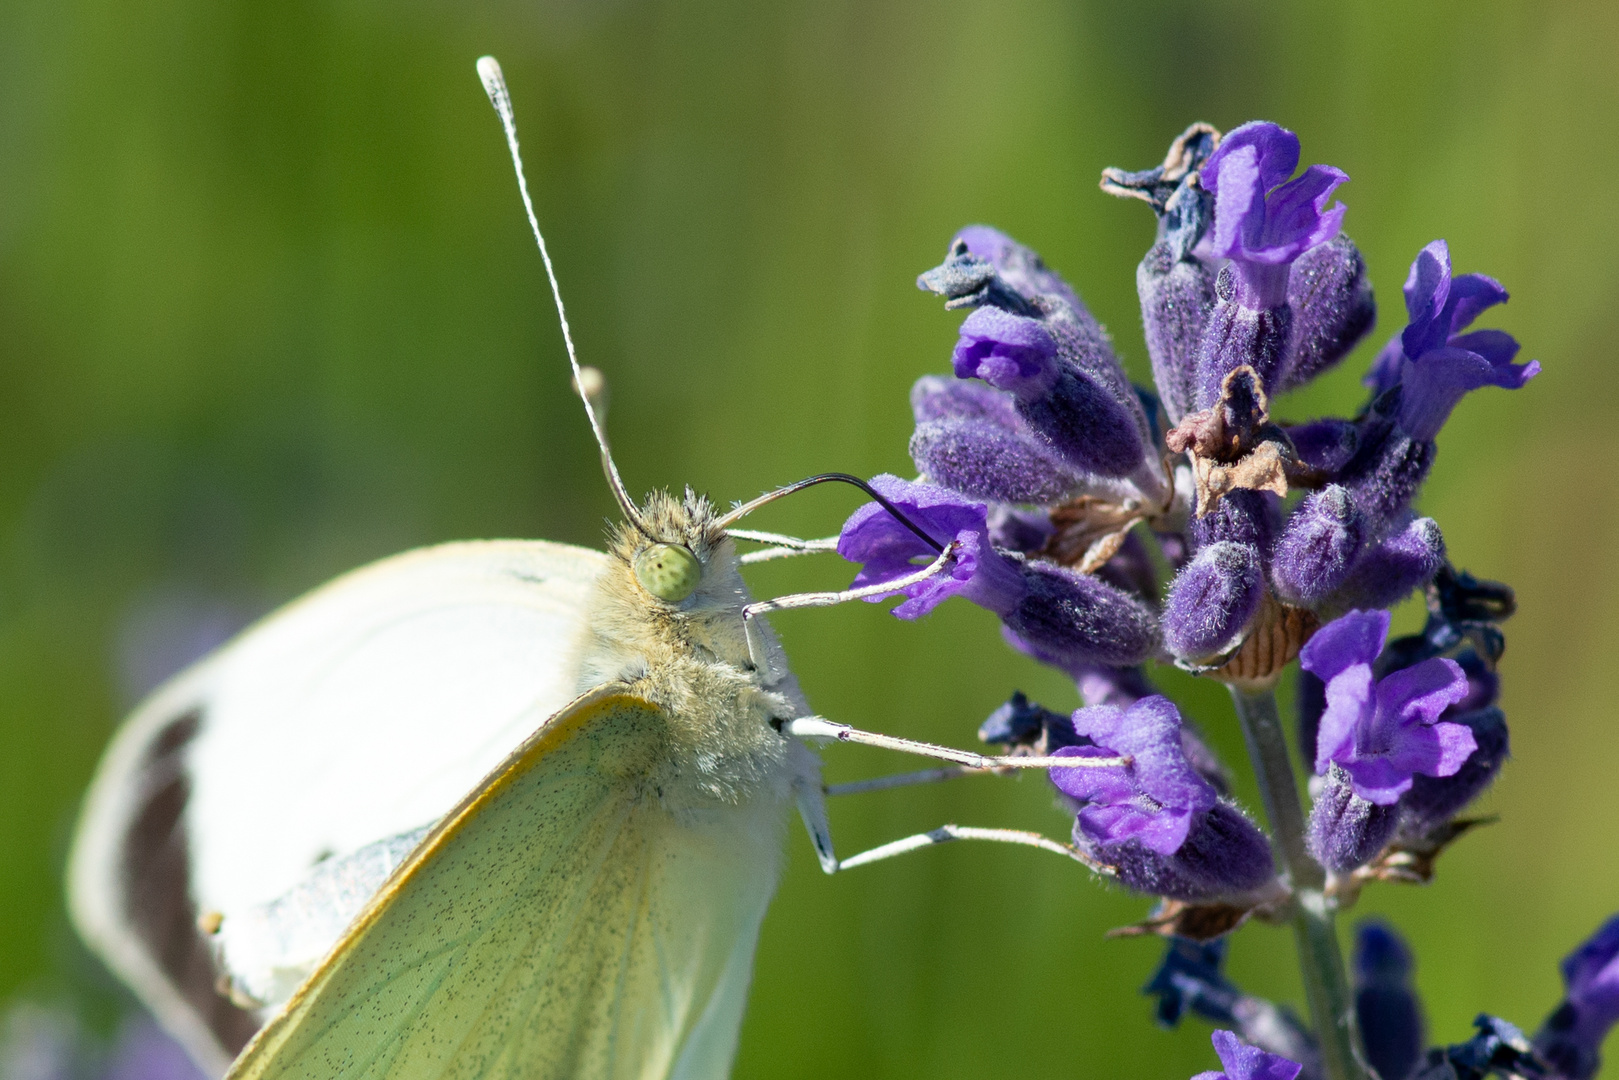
{"x":268,"y":310}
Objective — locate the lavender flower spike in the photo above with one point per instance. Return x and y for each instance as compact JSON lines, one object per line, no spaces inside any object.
{"x":1571,"y":1038}
{"x":1244,"y":1062}
{"x":1262,"y":220}
{"x":1384,"y":732}
{"x":1157,"y":821}
{"x":889,"y":550}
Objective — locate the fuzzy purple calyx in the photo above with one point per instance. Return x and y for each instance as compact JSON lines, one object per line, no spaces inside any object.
{"x":969,"y":437}
{"x":888,"y":550}
{"x":1243,"y":1062}
{"x":1383,"y":732}
{"x":1262,"y":219}
{"x":1212,"y":599}
{"x":1155,"y":798}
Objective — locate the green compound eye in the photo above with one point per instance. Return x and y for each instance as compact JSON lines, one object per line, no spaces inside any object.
{"x":668,"y":571}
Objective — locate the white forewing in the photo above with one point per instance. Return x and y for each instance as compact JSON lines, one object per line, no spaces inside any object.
{"x":363,"y":711}
{"x":371,"y":707}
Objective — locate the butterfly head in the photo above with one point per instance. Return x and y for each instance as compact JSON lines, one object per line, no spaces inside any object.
{"x":673,"y":552}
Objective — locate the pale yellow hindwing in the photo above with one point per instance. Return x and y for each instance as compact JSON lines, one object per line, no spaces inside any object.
{"x":559,"y":923}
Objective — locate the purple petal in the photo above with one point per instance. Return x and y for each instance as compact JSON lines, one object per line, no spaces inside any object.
{"x":1385,"y":370}
{"x":1427,"y":289}
{"x":1349,"y":705}
{"x":888,"y":550}
{"x":1378,"y":780}
{"x":1435,"y":383}
{"x":1296,"y":217}
{"x":1356,"y":638}
{"x":1010,"y":352}
{"x":1496,"y":346}
{"x":1420,"y":693}
{"x":1470,"y":296}
{"x":1258,"y":153}
{"x":1163,"y":831}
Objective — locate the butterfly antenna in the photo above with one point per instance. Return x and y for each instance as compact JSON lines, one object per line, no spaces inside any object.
{"x":494,"y":84}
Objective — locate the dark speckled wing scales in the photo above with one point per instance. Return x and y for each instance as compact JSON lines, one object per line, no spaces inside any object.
{"x":559,"y":924}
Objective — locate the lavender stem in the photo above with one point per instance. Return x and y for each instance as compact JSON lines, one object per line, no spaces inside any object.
{"x":1320,"y":962}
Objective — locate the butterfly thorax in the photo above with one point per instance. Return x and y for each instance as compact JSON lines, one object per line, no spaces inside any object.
{"x":692,"y":659}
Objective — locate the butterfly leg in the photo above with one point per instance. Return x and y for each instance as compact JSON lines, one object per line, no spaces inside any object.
{"x":815,"y":727}
{"x":813,"y":810}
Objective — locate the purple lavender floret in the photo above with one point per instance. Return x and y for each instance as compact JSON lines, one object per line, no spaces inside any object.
{"x":888,"y":550}
{"x":1571,"y":1038}
{"x":1243,"y":1062}
{"x":1383,"y":732}
{"x":1263,"y":221}
{"x":1431,"y":360}
{"x":1085,"y":413}
{"x":1157,"y":820}
{"x":1387,"y":1009}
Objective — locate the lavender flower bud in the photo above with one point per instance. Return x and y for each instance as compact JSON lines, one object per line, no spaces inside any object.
{"x":1212,"y":599}
{"x":1571,"y":1038}
{"x":1386,"y":573}
{"x":1317,"y":549}
{"x":1244,"y":517}
{"x":1435,"y":800}
{"x":1387,"y":1010}
{"x":1386,"y":474}
{"x":1346,"y":831}
{"x":1069,"y":397}
{"x":1382,"y":732}
{"x":1176,"y":298}
{"x":1067,"y":618}
{"x":1333,"y":309}
{"x":1021,"y":722}
{"x":1262,"y":220}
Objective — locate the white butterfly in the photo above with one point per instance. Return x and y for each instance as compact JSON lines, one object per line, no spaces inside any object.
{"x":321,"y":844}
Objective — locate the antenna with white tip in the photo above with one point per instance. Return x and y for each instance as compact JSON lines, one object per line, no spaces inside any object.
{"x":494,"y":84}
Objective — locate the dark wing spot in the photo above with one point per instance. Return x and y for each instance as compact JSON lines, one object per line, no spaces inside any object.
{"x":157,"y":885}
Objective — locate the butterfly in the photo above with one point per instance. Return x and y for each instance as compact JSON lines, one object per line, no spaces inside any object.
{"x":484,"y":809}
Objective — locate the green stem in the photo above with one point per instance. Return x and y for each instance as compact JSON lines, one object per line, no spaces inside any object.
{"x":1320,"y":962}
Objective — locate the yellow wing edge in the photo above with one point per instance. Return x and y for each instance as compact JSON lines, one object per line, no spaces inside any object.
{"x":556,"y":730}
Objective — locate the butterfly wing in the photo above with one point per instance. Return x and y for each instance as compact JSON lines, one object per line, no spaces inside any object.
{"x":364,"y":711}
{"x":561,"y":923}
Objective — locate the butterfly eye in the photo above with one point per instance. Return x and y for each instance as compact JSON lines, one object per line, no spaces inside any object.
{"x":668,"y":571}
